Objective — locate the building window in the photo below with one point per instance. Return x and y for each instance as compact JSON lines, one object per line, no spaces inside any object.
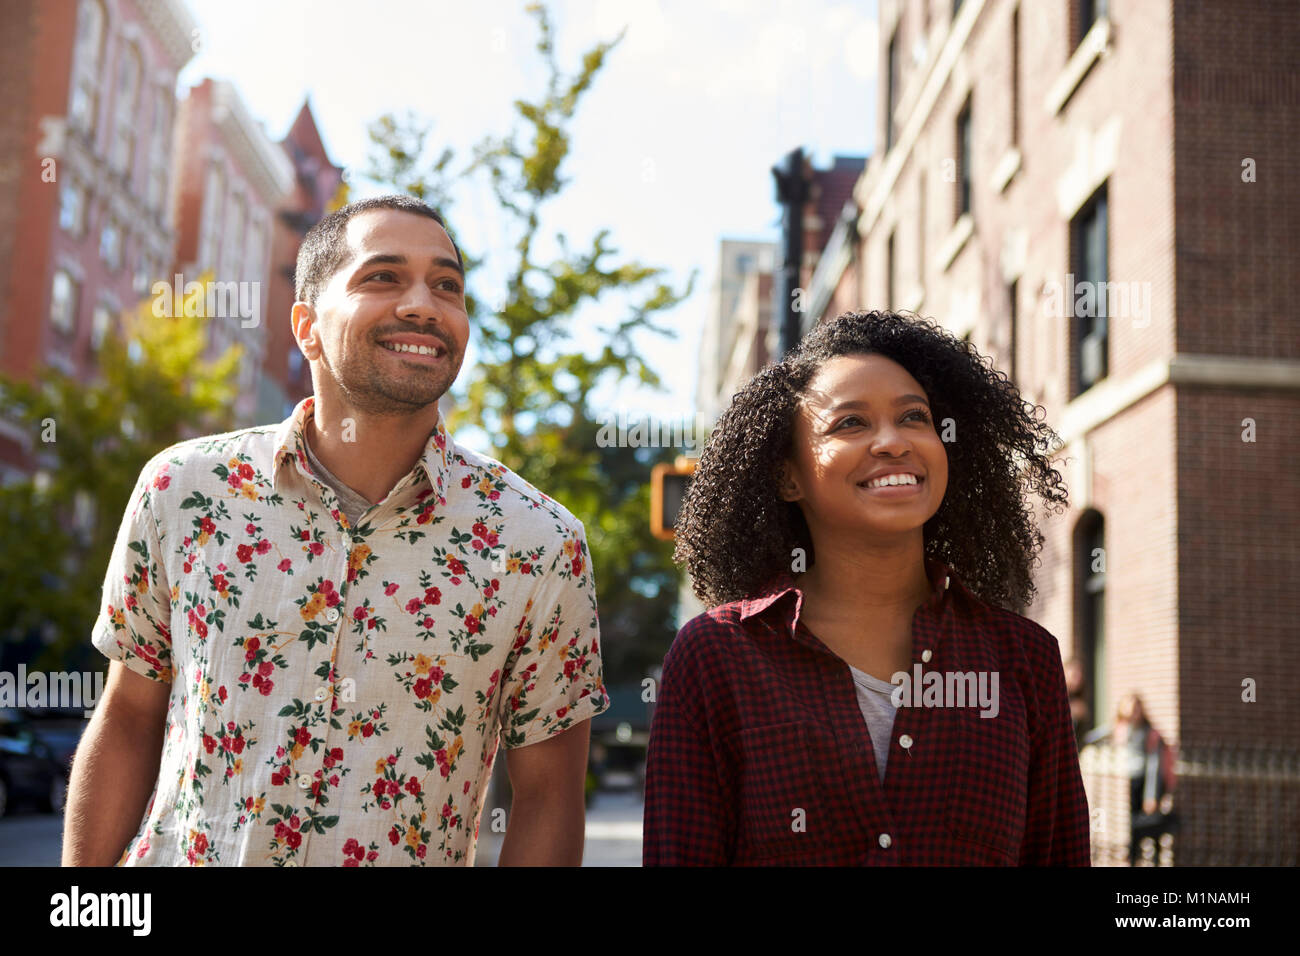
{"x":160,"y":148}
{"x":110,"y":245}
{"x":1015,"y":76}
{"x":233,"y":235}
{"x":890,"y":286}
{"x":1088,"y":247}
{"x":1090,"y":620}
{"x":213,"y":206}
{"x":920,"y":229}
{"x":72,"y":208}
{"x":891,"y":92}
{"x":127,"y":104}
{"x":963,"y":159}
{"x":100,"y":321}
{"x":1090,"y":11}
{"x":63,"y":302}
{"x":1013,"y":320}
{"x":87,"y":55}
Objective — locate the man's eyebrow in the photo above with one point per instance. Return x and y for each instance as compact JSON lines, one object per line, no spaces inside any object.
{"x":397,"y":259}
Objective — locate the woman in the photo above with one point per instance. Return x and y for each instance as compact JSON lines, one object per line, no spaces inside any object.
{"x":859,"y":692}
{"x":1150,"y":765}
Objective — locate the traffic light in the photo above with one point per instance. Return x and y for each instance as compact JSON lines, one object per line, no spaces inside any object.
{"x":668,"y":485}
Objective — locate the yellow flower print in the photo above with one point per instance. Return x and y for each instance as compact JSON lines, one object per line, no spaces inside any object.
{"x":422,"y":664}
{"x":485,"y":485}
{"x":358,"y":556}
{"x":477,"y":610}
{"x":412,"y":836}
{"x":568,"y":548}
{"x":296,"y":752}
{"x":354,"y":728}
{"x":259,"y":804}
{"x":380,"y":766}
{"x":238,"y":765}
{"x":248,"y":490}
{"x":313,"y":606}
{"x":512,"y":565}
{"x":203,"y":538}
{"x":454,"y":750}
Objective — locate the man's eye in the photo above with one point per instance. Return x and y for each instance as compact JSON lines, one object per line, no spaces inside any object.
{"x":376,"y":275}
{"x":450,"y":284}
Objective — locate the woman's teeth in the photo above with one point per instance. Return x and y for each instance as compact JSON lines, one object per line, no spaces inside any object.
{"x":889,"y":480}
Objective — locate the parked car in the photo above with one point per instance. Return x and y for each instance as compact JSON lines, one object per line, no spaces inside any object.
{"x":36,"y":758}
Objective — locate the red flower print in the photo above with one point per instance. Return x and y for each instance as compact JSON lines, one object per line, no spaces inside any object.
{"x":263,"y":546}
{"x":316,"y":548}
{"x":480,"y":529}
{"x":209,"y":743}
{"x":265,"y":668}
{"x":367,"y":730}
{"x":394,"y":836}
{"x":466,"y":482}
{"x":351,"y":846}
{"x":359,"y":614}
{"x":253,"y":643}
{"x":422,"y":688}
{"x":266,"y":688}
{"x":421,"y":850}
{"x":303,"y":736}
{"x":221,"y":693}
{"x":244,"y":553}
{"x":390,"y":589}
{"x":454,"y":566}
{"x":246,"y":471}
{"x":294,"y":840}
{"x":413,"y":605}
{"x":432,"y":596}
{"x":206,"y":524}
{"x":413,"y":787}
{"x":285,"y":564}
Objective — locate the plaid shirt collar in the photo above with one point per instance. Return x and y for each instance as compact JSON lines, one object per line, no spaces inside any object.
{"x":290,"y":443}
{"x":944,"y":588}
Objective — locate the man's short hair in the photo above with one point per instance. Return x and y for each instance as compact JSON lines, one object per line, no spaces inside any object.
{"x":325,"y":247}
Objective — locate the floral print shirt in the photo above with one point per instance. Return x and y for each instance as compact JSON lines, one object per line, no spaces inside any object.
{"x":338,"y":692}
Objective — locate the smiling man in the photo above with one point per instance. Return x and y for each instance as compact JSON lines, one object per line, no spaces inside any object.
{"x":321,"y":630}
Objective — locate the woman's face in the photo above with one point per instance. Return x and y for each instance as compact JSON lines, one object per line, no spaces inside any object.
{"x":864,"y":417}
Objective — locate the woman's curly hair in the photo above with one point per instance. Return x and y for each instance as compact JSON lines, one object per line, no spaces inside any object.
{"x":735,"y":534}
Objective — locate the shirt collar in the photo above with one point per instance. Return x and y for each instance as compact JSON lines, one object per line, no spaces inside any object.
{"x":290,"y":443}
{"x":942,"y":582}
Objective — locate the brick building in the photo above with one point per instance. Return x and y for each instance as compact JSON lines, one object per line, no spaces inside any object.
{"x":1100,"y":195}
{"x":230,"y":179}
{"x":318,"y":189}
{"x":85,"y":176}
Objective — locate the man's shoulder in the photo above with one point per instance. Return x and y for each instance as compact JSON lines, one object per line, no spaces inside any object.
{"x":207,"y":455}
{"x":522,"y":503}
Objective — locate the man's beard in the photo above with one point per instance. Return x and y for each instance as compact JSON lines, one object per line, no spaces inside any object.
{"x":368,"y":387}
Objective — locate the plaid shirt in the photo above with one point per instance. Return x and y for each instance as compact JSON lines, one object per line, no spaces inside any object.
{"x":338,"y":693}
{"x":759,"y":753}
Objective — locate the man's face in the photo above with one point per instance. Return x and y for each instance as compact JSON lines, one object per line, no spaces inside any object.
{"x":400,"y":286}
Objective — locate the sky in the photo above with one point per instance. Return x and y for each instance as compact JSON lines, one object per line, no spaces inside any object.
{"x":671,"y":148}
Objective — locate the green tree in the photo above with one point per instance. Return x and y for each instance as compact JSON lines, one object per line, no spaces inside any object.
{"x":91,"y":440}
{"x":531,"y":389}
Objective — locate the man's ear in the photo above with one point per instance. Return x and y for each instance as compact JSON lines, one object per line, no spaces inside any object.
{"x":787,"y":485}
{"x":303,"y":320}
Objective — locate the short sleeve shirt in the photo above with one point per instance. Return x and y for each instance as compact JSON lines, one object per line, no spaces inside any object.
{"x":338,"y":692}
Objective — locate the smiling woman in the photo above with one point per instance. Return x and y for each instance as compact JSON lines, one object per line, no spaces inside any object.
{"x":859,"y":516}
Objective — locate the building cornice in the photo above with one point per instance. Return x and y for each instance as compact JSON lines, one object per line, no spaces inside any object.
{"x":263,"y":163}
{"x":172,"y":24}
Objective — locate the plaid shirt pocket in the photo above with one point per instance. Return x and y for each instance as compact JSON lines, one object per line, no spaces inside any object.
{"x":989,"y":791}
{"x":780,"y":803}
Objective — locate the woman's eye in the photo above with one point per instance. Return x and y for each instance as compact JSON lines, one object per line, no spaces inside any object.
{"x":847,"y":419}
{"x":918,"y":414}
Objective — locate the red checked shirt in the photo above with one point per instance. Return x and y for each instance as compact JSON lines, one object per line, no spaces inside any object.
{"x":338,"y":693}
{"x":759,"y":753}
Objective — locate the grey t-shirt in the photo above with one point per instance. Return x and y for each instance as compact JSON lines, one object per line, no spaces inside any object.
{"x":352,"y":504}
{"x":878,"y":711}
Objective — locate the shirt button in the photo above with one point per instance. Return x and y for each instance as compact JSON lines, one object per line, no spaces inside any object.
{"x":304,"y":781}
{"x":322,"y":693}
{"x":332,"y":615}
{"x":905,"y":741}
{"x":290,"y":862}
{"x":884,"y":841}
{"x":926,"y":655}
{"x":945,"y":582}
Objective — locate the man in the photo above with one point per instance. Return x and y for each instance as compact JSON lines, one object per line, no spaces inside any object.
{"x":320,"y":630}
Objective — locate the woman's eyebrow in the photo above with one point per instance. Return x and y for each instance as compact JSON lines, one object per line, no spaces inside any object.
{"x":901,"y":400}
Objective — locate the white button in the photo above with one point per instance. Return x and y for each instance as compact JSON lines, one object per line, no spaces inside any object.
{"x":945,"y":582}
{"x":322,"y":693}
{"x":884,"y":840}
{"x":332,"y":615}
{"x":290,"y":862}
{"x":304,"y":781}
{"x":926,"y":655}
{"x":904,"y":741}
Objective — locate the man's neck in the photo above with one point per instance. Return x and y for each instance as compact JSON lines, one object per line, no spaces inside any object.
{"x":368,"y":453}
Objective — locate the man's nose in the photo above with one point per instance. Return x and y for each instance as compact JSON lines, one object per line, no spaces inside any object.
{"x":418,"y":303}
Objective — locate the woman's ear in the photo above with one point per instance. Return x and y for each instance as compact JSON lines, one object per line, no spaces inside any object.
{"x":788,"y":486}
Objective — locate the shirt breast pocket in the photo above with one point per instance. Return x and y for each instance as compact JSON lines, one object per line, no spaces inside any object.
{"x":989,"y":792}
{"x":779,"y":791}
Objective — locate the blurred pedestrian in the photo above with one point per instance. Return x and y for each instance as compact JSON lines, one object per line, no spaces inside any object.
{"x":1080,"y":711}
{"x":1150,"y":764}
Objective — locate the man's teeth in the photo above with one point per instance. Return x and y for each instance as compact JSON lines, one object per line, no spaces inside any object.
{"x":893,"y":480}
{"x":418,"y":349}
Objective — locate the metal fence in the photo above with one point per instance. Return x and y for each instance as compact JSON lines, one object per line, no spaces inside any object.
{"x":1236,"y":806}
